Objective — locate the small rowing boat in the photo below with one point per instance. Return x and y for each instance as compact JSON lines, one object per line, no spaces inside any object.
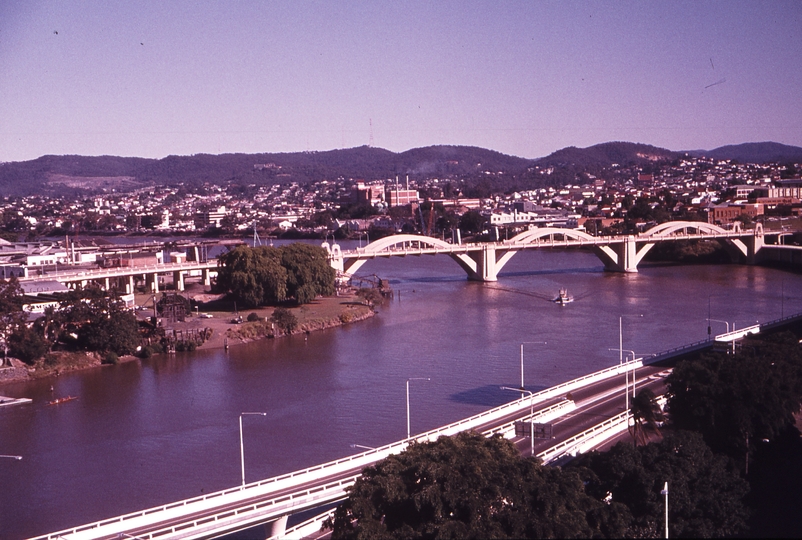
{"x":61,"y":400}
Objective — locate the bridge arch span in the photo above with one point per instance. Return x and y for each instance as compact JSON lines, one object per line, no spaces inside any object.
{"x":688,"y":227}
{"x":405,"y":241}
{"x":408,"y":243}
{"x":613,"y":255}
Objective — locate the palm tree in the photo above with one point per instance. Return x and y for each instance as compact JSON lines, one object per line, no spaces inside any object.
{"x":646,"y":416}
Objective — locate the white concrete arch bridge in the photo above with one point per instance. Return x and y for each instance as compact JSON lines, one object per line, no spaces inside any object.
{"x":483,"y":261}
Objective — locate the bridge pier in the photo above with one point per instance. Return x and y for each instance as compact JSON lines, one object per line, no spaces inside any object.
{"x":487,"y":266}
{"x":178,"y":280}
{"x":626,"y":256}
{"x":153,"y":281}
{"x":276,"y":528}
{"x":206,"y":277}
{"x":754,"y":244}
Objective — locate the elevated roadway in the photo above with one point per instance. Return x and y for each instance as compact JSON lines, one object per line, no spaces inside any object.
{"x":570,"y":408}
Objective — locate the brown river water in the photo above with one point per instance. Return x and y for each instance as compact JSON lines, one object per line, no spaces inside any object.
{"x":146,"y":433}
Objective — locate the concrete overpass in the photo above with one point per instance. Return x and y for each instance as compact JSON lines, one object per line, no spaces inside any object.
{"x":124,"y":278}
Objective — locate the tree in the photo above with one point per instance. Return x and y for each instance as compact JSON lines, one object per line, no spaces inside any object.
{"x":706,"y":494}
{"x":468,"y":486}
{"x":471,"y":222}
{"x":309,"y":273}
{"x":12,"y":316}
{"x":254,"y":276}
{"x":118,"y":332}
{"x":27,"y":345}
{"x":93,"y":321}
{"x":267,"y":275}
{"x":284,"y":320}
{"x":646,"y":415}
{"x":735,"y":400}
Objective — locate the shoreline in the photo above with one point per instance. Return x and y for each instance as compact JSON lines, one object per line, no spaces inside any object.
{"x":322,"y":314}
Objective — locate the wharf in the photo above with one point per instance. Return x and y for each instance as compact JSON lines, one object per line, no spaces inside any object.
{"x":5,"y":401}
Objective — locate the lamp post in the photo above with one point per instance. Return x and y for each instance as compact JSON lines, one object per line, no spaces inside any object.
{"x":412,"y":379}
{"x":522,"y":360}
{"x":665,"y":492}
{"x":241,"y":445}
{"x":626,"y":373}
{"x":621,"y":355}
{"x":10,"y":457}
{"x":531,"y":415}
{"x":362,"y":446}
{"x":717,"y":320}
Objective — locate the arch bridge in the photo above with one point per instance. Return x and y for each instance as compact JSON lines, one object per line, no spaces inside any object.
{"x":483,"y":261}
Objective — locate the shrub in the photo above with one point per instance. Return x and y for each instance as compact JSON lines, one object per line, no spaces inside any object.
{"x":111,"y":358}
{"x":284,"y":319}
{"x":185,"y":346}
{"x":27,"y":345}
{"x":253,"y":317}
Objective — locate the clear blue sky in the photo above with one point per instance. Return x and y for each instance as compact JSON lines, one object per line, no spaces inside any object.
{"x":154,"y":78}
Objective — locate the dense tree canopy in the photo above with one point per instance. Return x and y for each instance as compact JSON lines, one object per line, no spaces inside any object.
{"x":12,"y":317}
{"x":469,"y":486}
{"x":705,"y":494}
{"x":735,"y":401}
{"x":268,"y":275}
{"x":90,"y":319}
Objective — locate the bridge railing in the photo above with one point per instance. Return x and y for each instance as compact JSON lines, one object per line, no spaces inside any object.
{"x":93,"y":273}
{"x":592,"y":436}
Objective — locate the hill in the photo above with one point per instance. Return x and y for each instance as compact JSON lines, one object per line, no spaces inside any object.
{"x":762,"y":152}
{"x":479,"y":170}
{"x":608,"y":154}
{"x":62,"y":175}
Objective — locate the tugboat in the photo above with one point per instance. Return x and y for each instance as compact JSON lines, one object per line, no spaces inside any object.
{"x":563,"y":298}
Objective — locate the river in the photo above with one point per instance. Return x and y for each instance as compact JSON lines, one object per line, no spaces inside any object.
{"x":164,"y":429}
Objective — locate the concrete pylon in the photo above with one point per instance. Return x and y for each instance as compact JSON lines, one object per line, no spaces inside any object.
{"x":153,"y":281}
{"x":754,"y":244}
{"x":276,"y":528}
{"x":626,"y":255}
{"x":178,"y":280}
{"x":486,"y":264}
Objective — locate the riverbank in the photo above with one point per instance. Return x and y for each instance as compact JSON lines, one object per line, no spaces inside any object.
{"x":216,"y":318}
{"x":219,"y":316}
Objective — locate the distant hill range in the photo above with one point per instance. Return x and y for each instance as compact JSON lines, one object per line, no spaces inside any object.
{"x":762,"y":152}
{"x":65,"y":175}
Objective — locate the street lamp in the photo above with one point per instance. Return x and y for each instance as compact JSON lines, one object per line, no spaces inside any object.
{"x":626,"y":374}
{"x":717,"y":320}
{"x":531,"y":416}
{"x":361,"y":446}
{"x":412,"y":379}
{"x":621,"y":354}
{"x":241,"y":445}
{"x":665,"y":492}
{"x":10,"y":457}
{"x":522,"y":360}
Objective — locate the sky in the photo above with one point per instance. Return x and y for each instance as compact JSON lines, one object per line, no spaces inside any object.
{"x":525,"y":78}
